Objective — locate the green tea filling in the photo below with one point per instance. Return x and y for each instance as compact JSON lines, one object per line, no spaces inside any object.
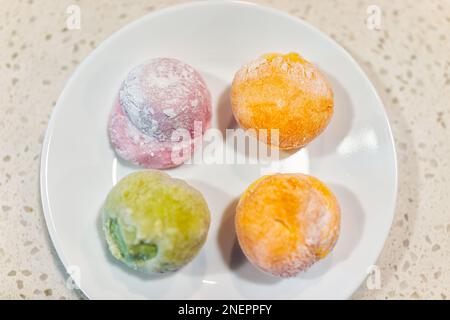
{"x":143,"y":251}
{"x":140,"y":252}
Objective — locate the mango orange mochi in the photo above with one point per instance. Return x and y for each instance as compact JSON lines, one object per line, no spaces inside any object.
{"x":283,"y":92}
{"x":287,"y":222}
{"x":154,"y":223}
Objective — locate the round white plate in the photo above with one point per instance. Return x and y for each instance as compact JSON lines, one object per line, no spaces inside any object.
{"x":355,"y":156}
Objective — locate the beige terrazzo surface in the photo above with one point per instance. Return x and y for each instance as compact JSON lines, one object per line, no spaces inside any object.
{"x":408,"y":61}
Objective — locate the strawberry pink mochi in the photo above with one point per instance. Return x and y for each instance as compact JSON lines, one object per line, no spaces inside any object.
{"x":162,"y":107}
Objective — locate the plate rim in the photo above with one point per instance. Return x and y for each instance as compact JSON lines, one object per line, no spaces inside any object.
{"x":43,"y":185}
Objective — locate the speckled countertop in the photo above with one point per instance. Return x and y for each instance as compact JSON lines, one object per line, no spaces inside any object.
{"x":407,"y":60}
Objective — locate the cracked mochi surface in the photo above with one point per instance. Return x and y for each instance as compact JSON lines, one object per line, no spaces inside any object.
{"x":154,"y":223}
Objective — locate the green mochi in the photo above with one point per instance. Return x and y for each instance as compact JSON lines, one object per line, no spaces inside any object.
{"x":154,"y":223}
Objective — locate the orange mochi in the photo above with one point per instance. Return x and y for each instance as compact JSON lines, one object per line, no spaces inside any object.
{"x":287,"y":222}
{"x":283,"y":92}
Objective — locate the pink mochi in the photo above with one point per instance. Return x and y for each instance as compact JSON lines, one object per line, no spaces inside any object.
{"x":162,"y":107}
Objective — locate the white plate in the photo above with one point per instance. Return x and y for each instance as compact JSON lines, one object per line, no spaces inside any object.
{"x":355,"y":156}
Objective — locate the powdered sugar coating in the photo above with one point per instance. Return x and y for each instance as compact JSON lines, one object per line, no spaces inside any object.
{"x":287,"y":222}
{"x":156,"y":99}
{"x":302,"y":72}
{"x":284,"y":92}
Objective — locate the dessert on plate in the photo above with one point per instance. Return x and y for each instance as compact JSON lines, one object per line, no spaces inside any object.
{"x":284,"y":93}
{"x":162,"y":107}
{"x":287,"y":222}
{"x":154,"y":223}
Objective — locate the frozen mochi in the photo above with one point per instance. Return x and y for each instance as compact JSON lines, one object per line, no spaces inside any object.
{"x":287,"y":222}
{"x":162,"y":107}
{"x":154,"y":223}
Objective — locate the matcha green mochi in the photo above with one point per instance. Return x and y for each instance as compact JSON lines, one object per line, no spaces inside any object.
{"x":155,"y":223}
